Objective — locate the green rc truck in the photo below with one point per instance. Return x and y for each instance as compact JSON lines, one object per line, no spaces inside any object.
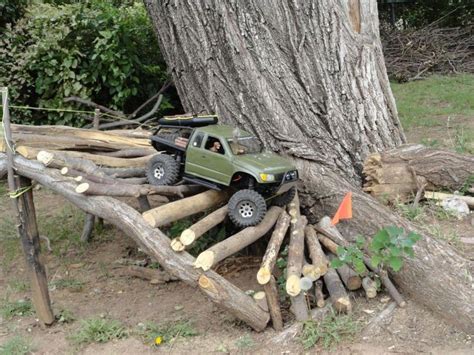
{"x":200,"y":151}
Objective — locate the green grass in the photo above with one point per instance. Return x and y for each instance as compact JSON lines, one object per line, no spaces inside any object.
{"x":245,"y":342}
{"x":168,"y":331}
{"x":71,"y":284}
{"x":9,"y":309}
{"x":98,"y":330}
{"x":17,"y":345}
{"x":419,"y":102}
{"x":330,"y":331}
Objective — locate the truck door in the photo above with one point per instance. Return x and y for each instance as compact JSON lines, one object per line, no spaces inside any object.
{"x":194,"y":154}
{"x":214,"y":159}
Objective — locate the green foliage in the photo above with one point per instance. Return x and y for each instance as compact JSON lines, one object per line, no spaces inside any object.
{"x":94,"y":49}
{"x":330,"y":331}
{"x":65,"y":316}
{"x":98,"y":330}
{"x":467,"y":184}
{"x":10,"y":309}
{"x":17,"y":345}
{"x":168,"y":331}
{"x":282,"y":263}
{"x":419,"y":13}
{"x":351,"y":255}
{"x":10,"y":11}
{"x":387,"y":247}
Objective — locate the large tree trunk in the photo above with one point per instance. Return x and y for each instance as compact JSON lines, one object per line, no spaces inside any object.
{"x":308,"y":78}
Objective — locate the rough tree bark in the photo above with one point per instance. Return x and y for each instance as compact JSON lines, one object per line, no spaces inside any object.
{"x":308,"y":78}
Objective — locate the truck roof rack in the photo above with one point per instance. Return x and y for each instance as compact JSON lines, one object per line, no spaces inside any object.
{"x":188,"y":120}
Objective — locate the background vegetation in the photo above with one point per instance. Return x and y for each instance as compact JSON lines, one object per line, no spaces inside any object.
{"x":104,"y":51}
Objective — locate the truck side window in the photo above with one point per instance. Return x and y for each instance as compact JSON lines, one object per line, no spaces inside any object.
{"x":214,"y":145}
{"x":198,"y":140}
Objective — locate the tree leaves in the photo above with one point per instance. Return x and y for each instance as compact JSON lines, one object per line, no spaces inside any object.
{"x":388,"y":247}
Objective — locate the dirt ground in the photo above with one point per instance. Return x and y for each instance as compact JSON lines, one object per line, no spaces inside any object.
{"x":107,"y":293}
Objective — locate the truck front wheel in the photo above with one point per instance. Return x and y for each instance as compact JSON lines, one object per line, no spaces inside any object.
{"x":246,"y":208}
{"x":162,"y":169}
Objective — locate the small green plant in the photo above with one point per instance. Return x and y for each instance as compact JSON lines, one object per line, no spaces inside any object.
{"x":282,"y":263}
{"x":98,"y":330}
{"x":168,"y":332}
{"x":352,"y":255}
{"x":387,"y":248}
{"x":65,"y":316}
{"x":467,"y":184}
{"x":71,"y":284}
{"x":17,"y":345}
{"x":10,"y":309}
{"x":411,"y":212}
{"x":330,"y":331}
{"x":19,"y":285}
{"x":245,"y":342}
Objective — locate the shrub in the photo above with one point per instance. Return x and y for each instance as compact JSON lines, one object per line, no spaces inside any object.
{"x":94,"y":49}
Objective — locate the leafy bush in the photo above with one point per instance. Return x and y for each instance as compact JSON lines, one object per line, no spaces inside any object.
{"x":10,"y":11}
{"x":95,"y":49}
{"x":387,"y":247}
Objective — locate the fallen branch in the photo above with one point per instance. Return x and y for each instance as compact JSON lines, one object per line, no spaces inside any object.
{"x":442,"y":196}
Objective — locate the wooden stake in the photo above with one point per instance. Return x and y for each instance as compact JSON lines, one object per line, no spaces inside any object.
{"x":271,"y":292}
{"x":233,"y":244}
{"x":339,"y":298}
{"x":88,"y":229}
{"x":318,"y":292}
{"x":191,"y":234}
{"x":299,"y":306}
{"x":164,"y":215}
{"x":370,"y":287}
{"x":27,"y":227}
{"x":31,"y":248}
{"x":295,"y":257}
{"x":316,"y":253}
{"x":349,"y":277}
{"x":269,"y":259}
{"x":96,"y":121}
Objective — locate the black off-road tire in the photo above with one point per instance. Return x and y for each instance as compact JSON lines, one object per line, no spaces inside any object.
{"x":285,"y":198}
{"x":246,"y":208}
{"x":162,"y":169}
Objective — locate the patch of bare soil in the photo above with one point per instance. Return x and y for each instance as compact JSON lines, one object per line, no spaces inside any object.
{"x":107,"y":293}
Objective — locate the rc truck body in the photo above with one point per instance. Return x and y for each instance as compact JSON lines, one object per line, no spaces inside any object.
{"x":198,"y":150}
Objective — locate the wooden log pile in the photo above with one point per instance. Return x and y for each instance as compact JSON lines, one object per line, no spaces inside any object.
{"x":399,"y":174}
{"x":93,"y":183}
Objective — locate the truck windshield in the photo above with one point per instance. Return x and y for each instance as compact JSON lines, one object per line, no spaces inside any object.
{"x":245,"y":145}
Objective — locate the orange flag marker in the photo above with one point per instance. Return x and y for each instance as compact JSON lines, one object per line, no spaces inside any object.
{"x":345,"y":209}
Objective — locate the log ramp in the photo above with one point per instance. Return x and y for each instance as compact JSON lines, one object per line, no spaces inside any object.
{"x":92,"y":170}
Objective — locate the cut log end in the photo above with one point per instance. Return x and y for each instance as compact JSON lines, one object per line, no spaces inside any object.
{"x":176,"y":245}
{"x":263,"y":275}
{"x":82,"y":188}
{"x":45,"y":157}
{"x":205,"y":260}
{"x":261,"y":299}
{"x":293,"y":287}
{"x":78,"y":179}
{"x":311,"y":271}
{"x":187,"y":237}
{"x":64,"y":171}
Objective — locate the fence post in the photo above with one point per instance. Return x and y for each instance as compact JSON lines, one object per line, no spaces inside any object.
{"x":22,"y":197}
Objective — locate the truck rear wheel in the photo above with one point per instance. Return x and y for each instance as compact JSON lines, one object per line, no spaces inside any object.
{"x":246,"y":208}
{"x":162,"y":169}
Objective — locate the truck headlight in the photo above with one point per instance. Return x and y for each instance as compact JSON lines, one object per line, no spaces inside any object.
{"x":267,"y":177}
